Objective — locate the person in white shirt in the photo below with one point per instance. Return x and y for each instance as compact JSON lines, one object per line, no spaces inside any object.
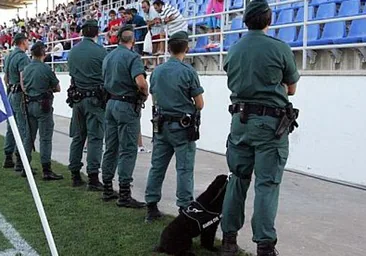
{"x":151,"y":17}
{"x":170,"y":16}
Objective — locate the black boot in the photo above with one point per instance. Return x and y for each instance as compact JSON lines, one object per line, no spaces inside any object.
{"x":24,"y":175}
{"x":77,"y":181}
{"x":48,"y":174}
{"x":9,"y":162}
{"x":229,"y":245}
{"x":18,"y":164}
{"x":267,"y":249}
{"x":125,"y":199}
{"x":108,"y":193}
{"x":94,"y":183}
{"x":153,"y":212}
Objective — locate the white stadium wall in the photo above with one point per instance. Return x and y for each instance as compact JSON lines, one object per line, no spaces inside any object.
{"x":331,"y":139}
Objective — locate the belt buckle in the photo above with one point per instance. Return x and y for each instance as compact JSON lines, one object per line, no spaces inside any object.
{"x":241,"y":107}
{"x":264,"y":110}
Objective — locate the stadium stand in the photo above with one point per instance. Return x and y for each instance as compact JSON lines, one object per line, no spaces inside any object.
{"x":320,"y":32}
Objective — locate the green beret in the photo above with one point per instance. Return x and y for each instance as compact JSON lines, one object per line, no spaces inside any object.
{"x":38,"y":45}
{"x":179,"y":36}
{"x":90,"y":23}
{"x":19,"y":36}
{"x":254,"y":8}
{"x":123,"y":29}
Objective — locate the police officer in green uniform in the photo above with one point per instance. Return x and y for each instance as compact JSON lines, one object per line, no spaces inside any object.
{"x":261,"y":74}
{"x":86,"y":98}
{"x":177,"y":97}
{"x":39,"y":85}
{"x":124,"y":80}
{"x":16,"y":62}
{"x":9,"y":144}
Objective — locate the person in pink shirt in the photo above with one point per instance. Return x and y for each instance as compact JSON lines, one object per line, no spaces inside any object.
{"x":214,"y":22}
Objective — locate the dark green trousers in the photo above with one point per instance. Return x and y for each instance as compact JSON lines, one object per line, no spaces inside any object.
{"x":253,"y":146}
{"x":16,"y":102}
{"x":173,"y":139}
{"x":122,"y":130}
{"x":39,"y":120}
{"x":9,"y":144}
{"x":87,"y":122}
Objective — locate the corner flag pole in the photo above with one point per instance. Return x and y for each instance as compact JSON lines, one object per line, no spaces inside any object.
{"x":28,"y":171}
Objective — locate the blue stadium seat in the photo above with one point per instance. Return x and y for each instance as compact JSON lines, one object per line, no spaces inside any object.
{"x":332,"y":31}
{"x":318,"y":2}
{"x":231,"y":39}
{"x":313,"y":35}
{"x":300,"y":14}
{"x":326,"y":11}
{"x":236,"y":4}
{"x":65,"y":56}
{"x":236,"y":24}
{"x":288,"y":35}
{"x":200,"y":45}
{"x":271,"y":32}
{"x":349,"y":8}
{"x":356,"y":34}
{"x":274,"y":18}
{"x":298,"y":5}
{"x":283,"y":6}
{"x":285,"y":16}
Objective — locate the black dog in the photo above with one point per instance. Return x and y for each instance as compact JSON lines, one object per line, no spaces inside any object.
{"x":202,"y":217}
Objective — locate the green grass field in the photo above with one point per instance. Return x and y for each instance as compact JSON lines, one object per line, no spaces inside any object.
{"x":4,"y":243}
{"x":81,"y":223}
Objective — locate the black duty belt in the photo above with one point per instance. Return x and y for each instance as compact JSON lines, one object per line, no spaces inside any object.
{"x":39,"y":97}
{"x":167,"y":118}
{"x":88,"y":93}
{"x":255,"y":109}
{"x":128,"y":99}
{"x":15,"y":88}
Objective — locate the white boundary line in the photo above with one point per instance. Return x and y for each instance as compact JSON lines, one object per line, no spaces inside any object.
{"x":20,"y":245}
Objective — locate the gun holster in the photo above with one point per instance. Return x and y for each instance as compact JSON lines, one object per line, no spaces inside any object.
{"x":288,"y":121}
{"x":193,"y":130}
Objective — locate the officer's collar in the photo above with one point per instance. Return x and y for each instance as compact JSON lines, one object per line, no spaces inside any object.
{"x":172,"y":58}
{"x":36,"y":60}
{"x":256,"y":32}
{"x":88,"y":39}
{"x":121,"y":46}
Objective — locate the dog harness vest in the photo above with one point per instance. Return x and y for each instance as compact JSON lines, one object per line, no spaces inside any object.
{"x":201,"y":216}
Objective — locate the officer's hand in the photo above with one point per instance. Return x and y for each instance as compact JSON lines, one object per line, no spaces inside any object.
{"x":286,"y":87}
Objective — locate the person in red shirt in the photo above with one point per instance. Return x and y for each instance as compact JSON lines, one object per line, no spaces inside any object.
{"x":113,"y":26}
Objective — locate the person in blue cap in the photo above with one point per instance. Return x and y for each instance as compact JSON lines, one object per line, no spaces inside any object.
{"x":259,"y":105}
{"x":15,"y":64}
{"x":39,"y":85}
{"x":87,"y":101}
{"x":124,"y":80}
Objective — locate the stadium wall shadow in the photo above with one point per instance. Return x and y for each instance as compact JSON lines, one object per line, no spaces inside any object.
{"x":330,"y":141}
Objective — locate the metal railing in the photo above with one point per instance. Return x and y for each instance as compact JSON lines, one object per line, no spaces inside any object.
{"x":224,"y":32}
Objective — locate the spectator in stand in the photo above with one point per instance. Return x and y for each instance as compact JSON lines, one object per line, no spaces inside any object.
{"x":122,"y":15}
{"x":57,"y":50}
{"x":214,"y":22}
{"x":152,"y":19}
{"x":113,"y":26}
{"x":172,"y":18}
{"x":137,"y":22}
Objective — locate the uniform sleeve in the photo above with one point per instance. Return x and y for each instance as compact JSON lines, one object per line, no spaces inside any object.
{"x":137,"y":67}
{"x":53,"y":79}
{"x":23,"y":62}
{"x":290,"y":73}
{"x":195,"y":87}
{"x":6,"y":65}
{"x":152,"y":82}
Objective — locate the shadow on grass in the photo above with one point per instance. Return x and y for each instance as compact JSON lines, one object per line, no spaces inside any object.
{"x":82,"y":224}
